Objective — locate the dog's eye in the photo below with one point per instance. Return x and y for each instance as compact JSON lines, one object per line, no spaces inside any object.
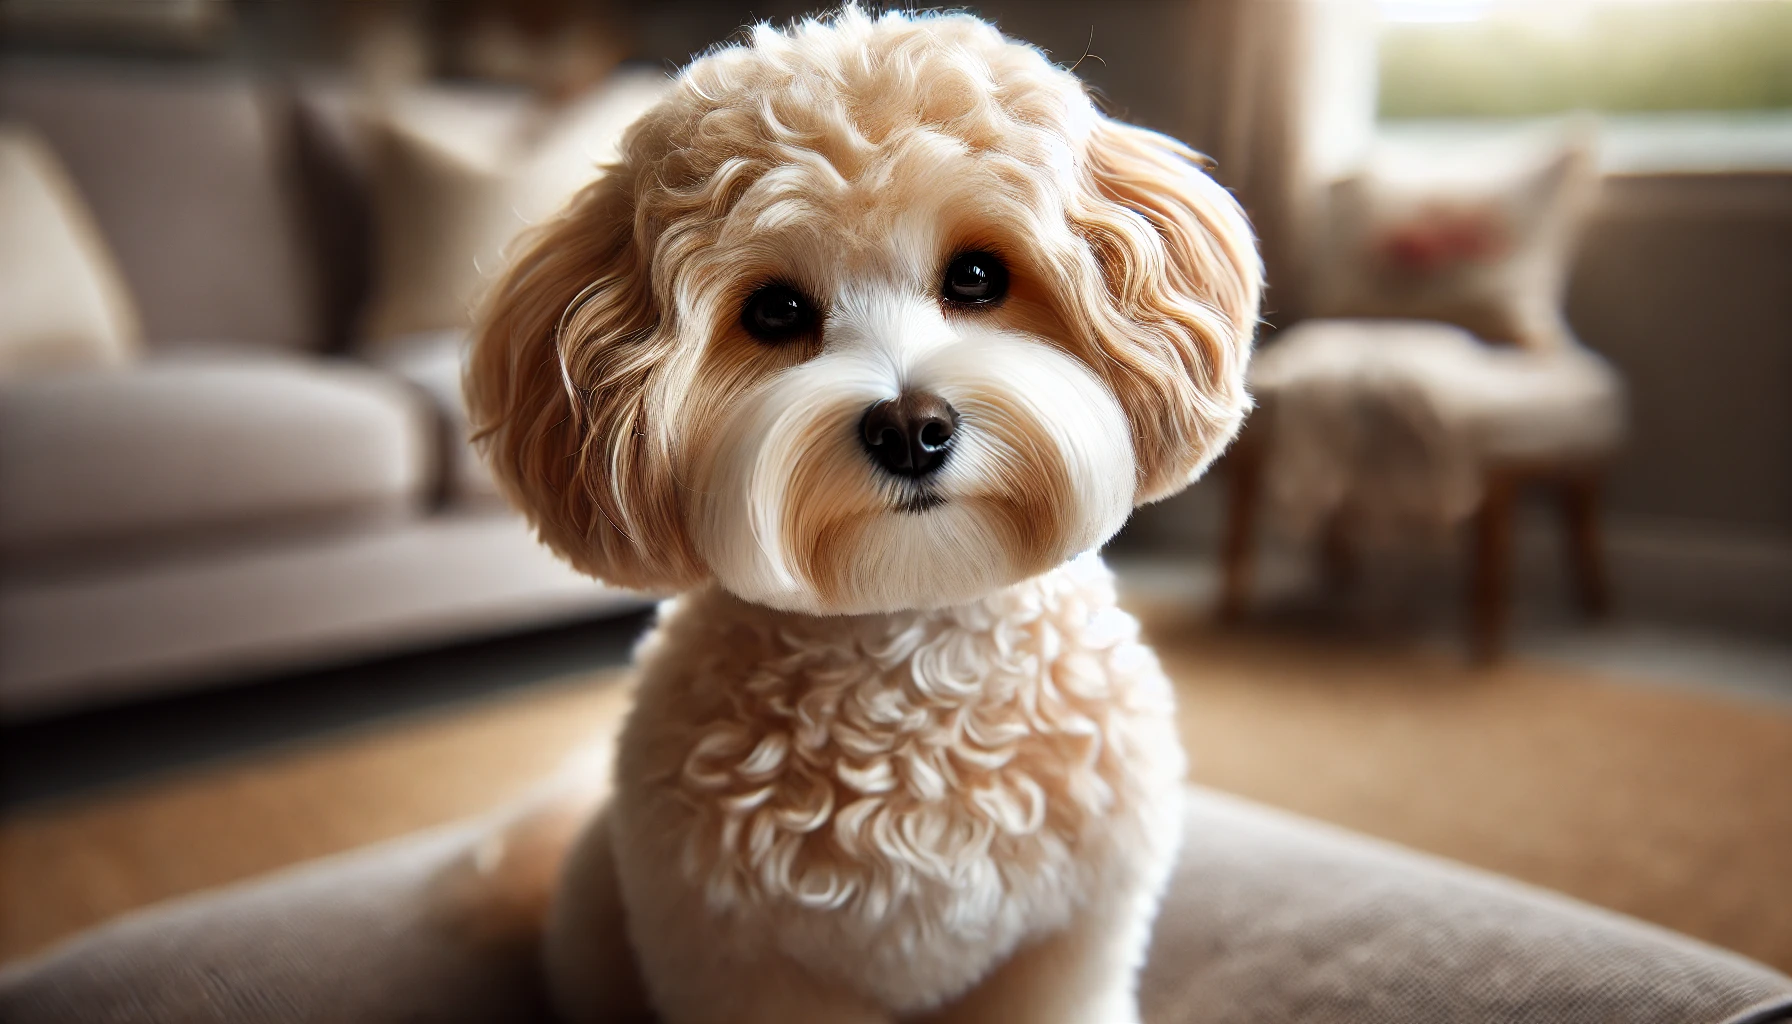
{"x":777,"y":313}
{"x":975,"y":277}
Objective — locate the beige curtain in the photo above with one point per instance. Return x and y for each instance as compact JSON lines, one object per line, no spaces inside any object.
{"x":1281,"y":94}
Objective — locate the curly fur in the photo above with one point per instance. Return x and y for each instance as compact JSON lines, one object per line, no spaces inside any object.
{"x":895,"y":802}
{"x":896,"y":752}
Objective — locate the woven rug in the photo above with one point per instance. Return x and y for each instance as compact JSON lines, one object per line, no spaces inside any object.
{"x":1670,"y":805}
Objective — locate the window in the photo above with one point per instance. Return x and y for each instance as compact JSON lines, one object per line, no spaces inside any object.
{"x":1705,"y":83}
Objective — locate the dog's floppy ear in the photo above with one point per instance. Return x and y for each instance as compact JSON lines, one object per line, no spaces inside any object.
{"x":1183,"y":282}
{"x":559,"y":394}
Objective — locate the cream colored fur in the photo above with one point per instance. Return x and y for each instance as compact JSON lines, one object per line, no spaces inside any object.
{"x":896,"y":753}
{"x":864,"y":818}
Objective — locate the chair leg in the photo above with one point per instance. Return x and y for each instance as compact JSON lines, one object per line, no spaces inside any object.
{"x":1244,"y":481}
{"x":1337,"y":558}
{"x":1491,"y":570}
{"x":1580,"y":511}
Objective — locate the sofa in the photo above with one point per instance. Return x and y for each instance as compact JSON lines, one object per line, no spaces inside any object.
{"x":1270,"y":919}
{"x":255,"y":488}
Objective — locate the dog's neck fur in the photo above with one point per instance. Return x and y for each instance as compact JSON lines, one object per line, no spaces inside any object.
{"x":1014,"y":606}
{"x":877,"y":775}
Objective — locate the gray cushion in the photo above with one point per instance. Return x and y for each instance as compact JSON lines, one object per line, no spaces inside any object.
{"x":331,"y":177}
{"x":1275,"y":918}
{"x":334,"y":137}
{"x":125,"y":631}
{"x":94,"y":462}
{"x":432,"y":362}
{"x":185,"y":171}
{"x":1272,"y":919}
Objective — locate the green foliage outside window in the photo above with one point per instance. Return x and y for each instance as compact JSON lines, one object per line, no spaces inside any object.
{"x":1535,"y":58}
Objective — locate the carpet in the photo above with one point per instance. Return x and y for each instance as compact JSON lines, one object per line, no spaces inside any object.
{"x":1670,"y":805}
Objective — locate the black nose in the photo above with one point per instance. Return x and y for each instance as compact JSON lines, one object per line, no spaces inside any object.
{"x":910,"y":435}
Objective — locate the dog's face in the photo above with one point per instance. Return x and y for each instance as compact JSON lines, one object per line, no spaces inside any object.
{"x":876,"y":314}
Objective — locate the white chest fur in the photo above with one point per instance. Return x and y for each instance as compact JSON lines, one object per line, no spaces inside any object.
{"x":898,"y":801}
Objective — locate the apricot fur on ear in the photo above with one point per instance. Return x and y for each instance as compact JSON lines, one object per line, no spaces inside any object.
{"x":1184,"y":284}
{"x":559,"y":393}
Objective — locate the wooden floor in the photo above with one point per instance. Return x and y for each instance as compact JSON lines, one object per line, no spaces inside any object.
{"x":1674,"y":806}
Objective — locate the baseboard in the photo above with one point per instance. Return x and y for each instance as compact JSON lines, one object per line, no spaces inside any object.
{"x":1700,"y":575}
{"x":1697,"y":575}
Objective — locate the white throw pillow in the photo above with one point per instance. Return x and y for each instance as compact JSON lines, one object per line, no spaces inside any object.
{"x":451,"y":192}
{"x":63,"y":304}
{"x":1485,"y":247}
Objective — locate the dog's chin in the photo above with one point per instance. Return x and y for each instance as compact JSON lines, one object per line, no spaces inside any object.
{"x":924,"y":549}
{"x":921,"y":501}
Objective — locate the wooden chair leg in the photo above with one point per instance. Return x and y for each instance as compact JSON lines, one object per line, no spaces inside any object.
{"x":1586,"y":555}
{"x":1490,"y":574}
{"x":1337,"y":557}
{"x":1244,"y":482}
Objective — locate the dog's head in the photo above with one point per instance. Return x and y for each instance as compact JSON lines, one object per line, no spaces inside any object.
{"x":871,"y":314}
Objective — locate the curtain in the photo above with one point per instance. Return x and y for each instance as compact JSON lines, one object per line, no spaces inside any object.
{"x":1281,"y":94}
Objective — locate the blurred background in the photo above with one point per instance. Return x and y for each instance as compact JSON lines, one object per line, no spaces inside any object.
{"x":1500,"y":568}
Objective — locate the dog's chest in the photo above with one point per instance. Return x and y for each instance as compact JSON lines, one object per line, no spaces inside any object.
{"x":918,"y":796}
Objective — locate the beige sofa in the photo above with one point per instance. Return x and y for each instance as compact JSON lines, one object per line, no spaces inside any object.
{"x":249,"y":495}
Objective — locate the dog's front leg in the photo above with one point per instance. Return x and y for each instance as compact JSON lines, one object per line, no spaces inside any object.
{"x":1085,"y":974}
{"x":590,"y":969}
{"x":593,"y":971}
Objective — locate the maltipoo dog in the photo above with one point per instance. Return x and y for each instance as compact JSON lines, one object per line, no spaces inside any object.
{"x":874,"y":332}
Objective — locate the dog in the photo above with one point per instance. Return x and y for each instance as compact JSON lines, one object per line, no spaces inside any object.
{"x":874,"y":332}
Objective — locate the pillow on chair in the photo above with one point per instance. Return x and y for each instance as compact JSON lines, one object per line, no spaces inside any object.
{"x":1486,"y":250}
{"x":1394,"y":423}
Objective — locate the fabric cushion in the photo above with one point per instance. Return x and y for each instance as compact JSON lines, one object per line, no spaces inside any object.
{"x":1396,"y":422}
{"x":433,"y":363}
{"x":185,"y":172}
{"x":190,"y":449}
{"x":64,"y":304}
{"x":331,"y":168}
{"x":126,"y":632}
{"x":1273,"y":919}
{"x":1270,"y":920}
{"x":1485,"y":248}
{"x":452,"y":191}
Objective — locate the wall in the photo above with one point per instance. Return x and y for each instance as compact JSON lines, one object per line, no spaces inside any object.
{"x":1685,"y":283}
